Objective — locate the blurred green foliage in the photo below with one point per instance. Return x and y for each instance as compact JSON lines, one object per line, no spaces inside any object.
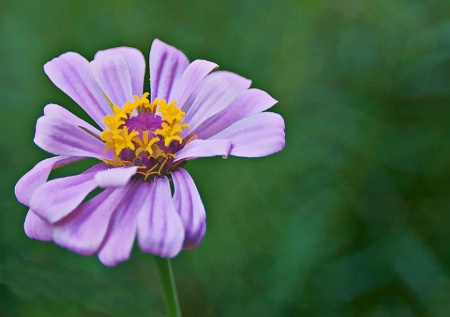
{"x":351,"y":219}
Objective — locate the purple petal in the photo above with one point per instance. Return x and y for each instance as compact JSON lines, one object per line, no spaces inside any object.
{"x":238,"y":83}
{"x":38,"y":175}
{"x":36,"y":228}
{"x":190,"y":79}
{"x":204,"y":148}
{"x":160,"y":230}
{"x":57,"y":198}
{"x":136,"y":65}
{"x":190,"y":207}
{"x":218,"y":92}
{"x":258,"y":135}
{"x":84,"y":230}
{"x":122,"y":228}
{"x":167,"y":64}
{"x":71,"y":73}
{"x":59,"y":113}
{"x":249,"y":102}
{"x":115,"y":177}
{"x":62,"y":137}
{"x":113,"y":76}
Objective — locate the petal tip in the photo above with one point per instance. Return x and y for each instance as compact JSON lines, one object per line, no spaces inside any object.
{"x":115,"y":177}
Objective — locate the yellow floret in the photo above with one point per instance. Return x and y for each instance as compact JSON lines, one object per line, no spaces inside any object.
{"x":145,"y":144}
{"x":169,"y":133}
{"x":123,"y":139}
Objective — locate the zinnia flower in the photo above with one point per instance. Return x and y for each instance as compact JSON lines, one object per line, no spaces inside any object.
{"x":142,"y":144}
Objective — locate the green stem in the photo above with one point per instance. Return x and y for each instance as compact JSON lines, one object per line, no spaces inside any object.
{"x":168,"y":287}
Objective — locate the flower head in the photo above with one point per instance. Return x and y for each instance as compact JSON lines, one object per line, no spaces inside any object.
{"x":143,"y":143}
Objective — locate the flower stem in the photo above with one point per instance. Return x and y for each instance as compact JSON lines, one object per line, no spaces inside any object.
{"x":168,"y":287}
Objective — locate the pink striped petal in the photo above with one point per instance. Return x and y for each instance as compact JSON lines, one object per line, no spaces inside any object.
{"x":122,"y":228}
{"x":258,"y":135}
{"x":160,"y":230}
{"x":59,"y":113}
{"x":136,"y":65}
{"x":61,"y":137}
{"x":37,"y":228}
{"x":167,"y":64}
{"x":238,"y":83}
{"x":190,"y":79}
{"x":59,"y":197}
{"x":113,"y":76}
{"x":217,"y":93}
{"x":204,"y":148}
{"x":190,"y":208}
{"x":38,"y":175}
{"x":84,"y":230}
{"x":71,"y":73}
{"x":115,"y":177}
{"x":249,"y":102}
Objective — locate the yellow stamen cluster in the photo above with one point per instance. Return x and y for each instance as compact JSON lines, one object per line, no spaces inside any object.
{"x":172,"y":115}
{"x":117,"y":136}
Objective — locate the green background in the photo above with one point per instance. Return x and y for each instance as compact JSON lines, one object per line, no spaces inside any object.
{"x":351,"y":219}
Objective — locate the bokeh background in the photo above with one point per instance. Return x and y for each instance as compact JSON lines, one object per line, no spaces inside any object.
{"x":351,"y":219}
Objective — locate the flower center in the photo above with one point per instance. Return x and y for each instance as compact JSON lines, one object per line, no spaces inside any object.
{"x":146,"y":135}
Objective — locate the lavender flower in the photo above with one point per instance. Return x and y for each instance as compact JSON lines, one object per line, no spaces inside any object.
{"x":143,"y":143}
